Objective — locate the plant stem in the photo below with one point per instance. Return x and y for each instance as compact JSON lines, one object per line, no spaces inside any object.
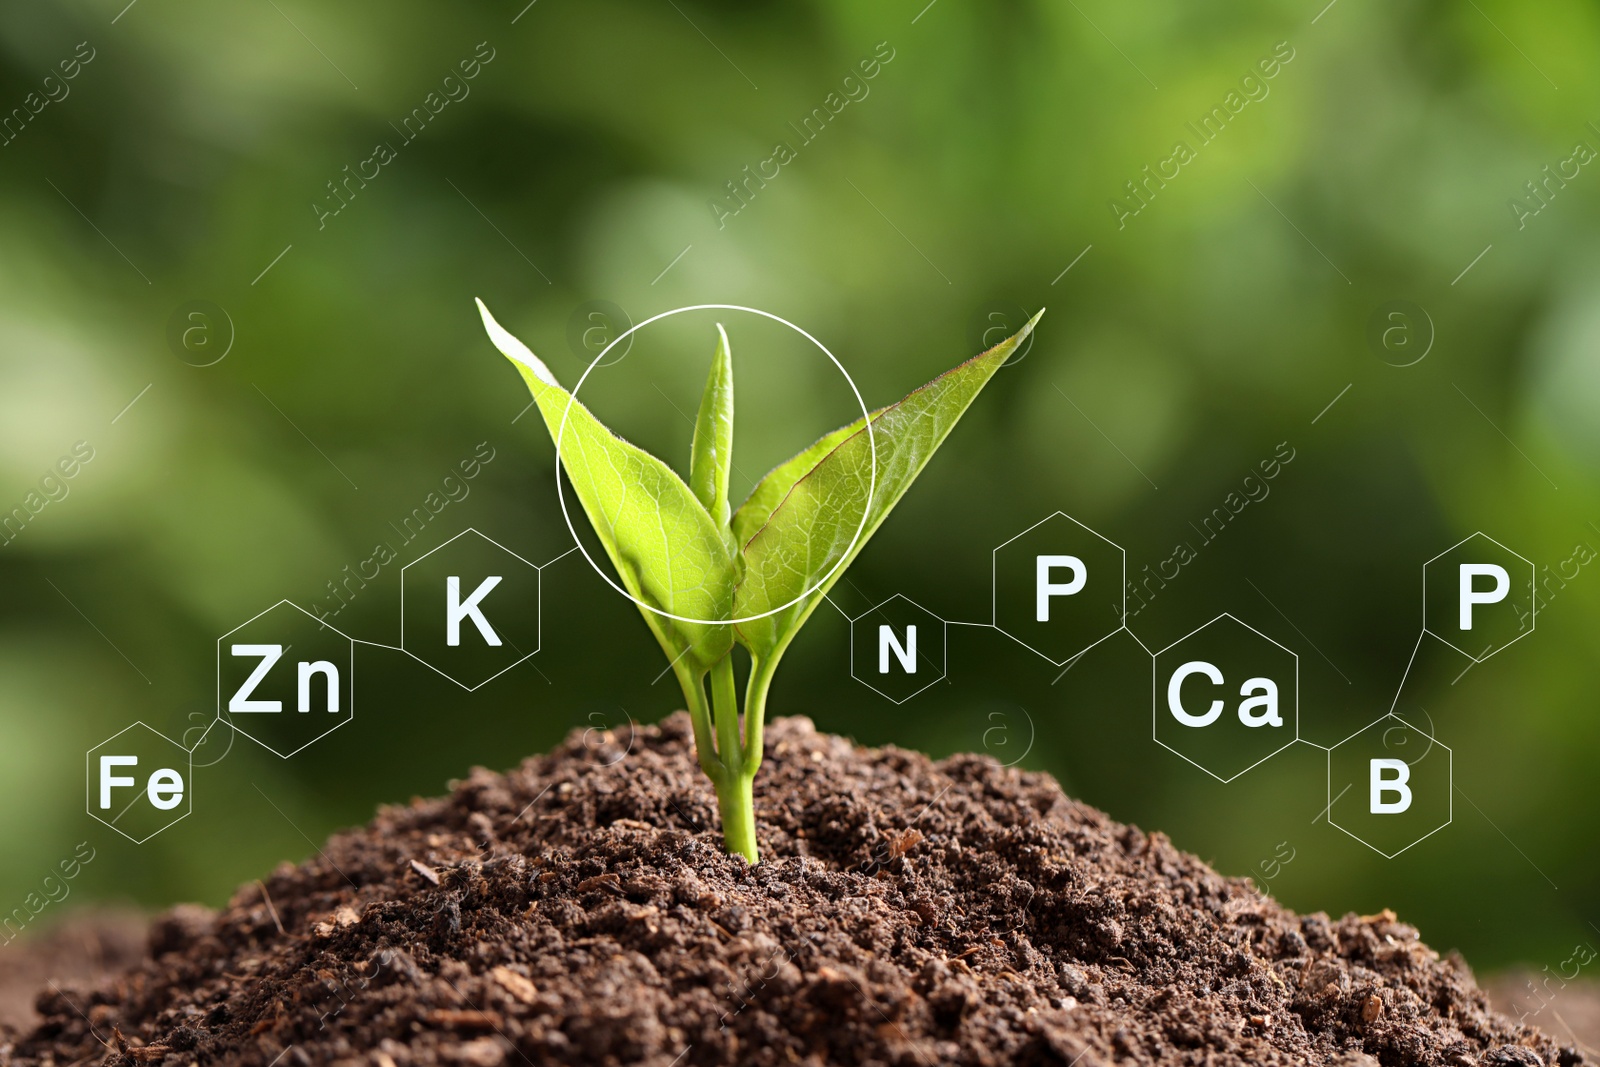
{"x":735,"y":793}
{"x":694,"y":693}
{"x":755,"y":712}
{"x":725,"y":702}
{"x":736,"y":801}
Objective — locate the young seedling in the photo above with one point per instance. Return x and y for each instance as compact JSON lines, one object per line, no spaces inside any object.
{"x":707,"y":576}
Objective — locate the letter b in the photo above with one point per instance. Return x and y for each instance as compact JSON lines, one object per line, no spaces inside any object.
{"x":1394,"y":783}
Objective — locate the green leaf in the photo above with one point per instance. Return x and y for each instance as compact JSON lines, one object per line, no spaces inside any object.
{"x":808,"y":535}
{"x":770,"y":491}
{"x":665,"y":547}
{"x":712,"y":452}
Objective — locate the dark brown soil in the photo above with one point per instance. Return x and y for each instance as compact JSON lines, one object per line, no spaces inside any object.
{"x":84,"y":947}
{"x":581,"y":910}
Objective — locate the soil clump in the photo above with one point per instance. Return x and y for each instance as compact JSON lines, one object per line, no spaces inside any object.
{"x":581,"y":910}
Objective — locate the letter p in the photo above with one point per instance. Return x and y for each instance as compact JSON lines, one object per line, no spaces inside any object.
{"x":1471,"y":596}
{"x":1045,"y":588}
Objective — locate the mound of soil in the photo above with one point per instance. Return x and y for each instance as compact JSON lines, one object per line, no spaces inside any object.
{"x":83,"y":948}
{"x":581,"y":910}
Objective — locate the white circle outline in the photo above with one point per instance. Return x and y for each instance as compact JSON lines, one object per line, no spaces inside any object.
{"x":872,"y":443}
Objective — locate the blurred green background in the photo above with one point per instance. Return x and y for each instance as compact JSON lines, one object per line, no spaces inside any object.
{"x":577,"y":175}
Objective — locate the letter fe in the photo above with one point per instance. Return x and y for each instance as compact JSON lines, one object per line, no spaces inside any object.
{"x":164,"y":788}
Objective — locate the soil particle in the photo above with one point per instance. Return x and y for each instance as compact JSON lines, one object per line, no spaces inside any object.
{"x":906,"y":913}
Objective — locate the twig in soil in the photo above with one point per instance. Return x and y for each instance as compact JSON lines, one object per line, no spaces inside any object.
{"x":270,"y":909}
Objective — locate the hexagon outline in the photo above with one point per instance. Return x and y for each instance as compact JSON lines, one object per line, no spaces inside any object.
{"x":538,"y":606}
{"x":1533,"y":609}
{"x":1368,"y":726}
{"x":188,"y":782}
{"x":944,"y":637}
{"x":1394,"y":705}
{"x":1155,"y":699}
{"x":1451,"y":764}
{"x":326,"y":626}
{"x":994,"y":593}
{"x":1412,"y":662}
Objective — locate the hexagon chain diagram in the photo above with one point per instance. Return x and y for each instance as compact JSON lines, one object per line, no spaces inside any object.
{"x":1225,"y":698}
{"x":901,"y":633}
{"x":460,"y":642}
{"x":286,"y":676}
{"x":284,"y":703}
{"x":137,"y":782}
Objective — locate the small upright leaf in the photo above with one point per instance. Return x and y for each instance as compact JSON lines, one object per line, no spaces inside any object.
{"x":806,"y":539}
{"x":712,"y":452}
{"x":665,"y":547}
